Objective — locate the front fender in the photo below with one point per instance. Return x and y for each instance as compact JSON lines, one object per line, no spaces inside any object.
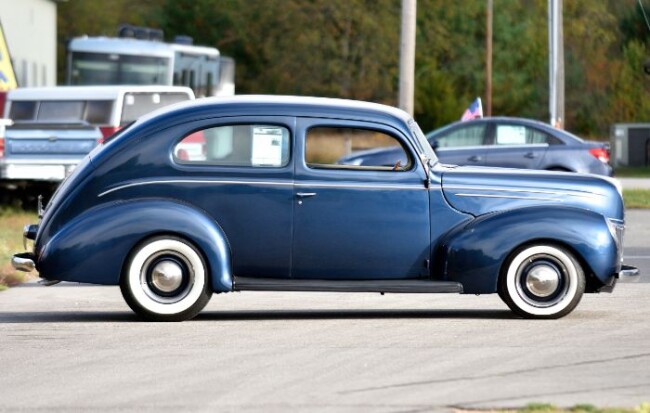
{"x":94,"y":246}
{"x":473,"y":254}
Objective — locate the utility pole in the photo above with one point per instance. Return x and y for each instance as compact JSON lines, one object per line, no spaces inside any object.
{"x":488,"y":60}
{"x":407,"y":56}
{"x":556,"y":63}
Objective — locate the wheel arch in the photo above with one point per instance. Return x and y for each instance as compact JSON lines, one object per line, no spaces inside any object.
{"x":112,"y":231}
{"x":474,"y":254}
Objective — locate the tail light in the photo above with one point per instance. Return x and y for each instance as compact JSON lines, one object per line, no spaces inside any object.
{"x":2,"y":147}
{"x":107,"y":131}
{"x":601,"y":154}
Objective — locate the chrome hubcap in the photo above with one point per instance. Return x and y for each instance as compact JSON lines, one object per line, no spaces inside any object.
{"x":542,"y":280}
{"x":167,"y":276}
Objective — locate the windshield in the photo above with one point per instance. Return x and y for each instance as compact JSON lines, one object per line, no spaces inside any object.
{"x":422,"y":142}
{"x":115,"y":69}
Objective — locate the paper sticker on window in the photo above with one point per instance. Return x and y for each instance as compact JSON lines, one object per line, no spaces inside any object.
{"x":267,"y":146}
{"x":511,"y":135}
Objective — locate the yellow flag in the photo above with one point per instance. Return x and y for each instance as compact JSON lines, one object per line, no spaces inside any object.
{"x":7,"y":74}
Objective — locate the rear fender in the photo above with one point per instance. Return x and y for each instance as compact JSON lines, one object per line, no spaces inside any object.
{"x":473,"y":254}
{"x":94,"y":246}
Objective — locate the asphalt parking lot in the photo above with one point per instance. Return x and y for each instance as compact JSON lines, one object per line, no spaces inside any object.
{"x":75,"y":347}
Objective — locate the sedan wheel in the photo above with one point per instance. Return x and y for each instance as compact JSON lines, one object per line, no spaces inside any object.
{"x":542,"y":281}
{"x":165,"y":279}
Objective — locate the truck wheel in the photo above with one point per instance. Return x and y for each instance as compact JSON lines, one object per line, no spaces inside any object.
{"x":542,"y":281}
{"x":165,"y":279}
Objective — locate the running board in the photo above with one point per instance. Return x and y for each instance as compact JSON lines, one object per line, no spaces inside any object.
{"x":353,"y":286}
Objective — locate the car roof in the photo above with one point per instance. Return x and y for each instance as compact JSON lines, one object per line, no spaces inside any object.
{"x":275,"y":105}
{"x":89,"y":92}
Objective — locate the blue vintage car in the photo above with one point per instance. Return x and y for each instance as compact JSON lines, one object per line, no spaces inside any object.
{"x":245,"y":193}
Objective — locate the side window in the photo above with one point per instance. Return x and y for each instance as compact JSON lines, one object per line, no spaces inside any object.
{"x":23,"y":110}
{"x":521,"y":135}
{"x":235,"y":145}
{"x":463,"y":136}
{"x":354,"y":148}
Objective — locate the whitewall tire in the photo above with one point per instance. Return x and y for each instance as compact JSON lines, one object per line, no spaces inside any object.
{"x":166,"y":279}
{"x":542,"y":281}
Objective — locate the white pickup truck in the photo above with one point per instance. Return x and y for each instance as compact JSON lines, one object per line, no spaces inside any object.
{"x":49,"y":130}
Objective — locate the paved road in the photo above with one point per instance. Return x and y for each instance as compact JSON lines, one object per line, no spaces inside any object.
{"x":77,"y":347}
{"x":635,"y":183}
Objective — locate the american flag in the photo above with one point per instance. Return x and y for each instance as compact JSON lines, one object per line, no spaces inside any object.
{"x":474,"y":111}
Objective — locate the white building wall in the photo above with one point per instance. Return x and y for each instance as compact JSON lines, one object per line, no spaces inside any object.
{"x":30,"y":31}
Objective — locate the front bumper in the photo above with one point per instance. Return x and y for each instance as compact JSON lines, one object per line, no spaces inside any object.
{"x":629,"y":273}
{"x":51,"y":171}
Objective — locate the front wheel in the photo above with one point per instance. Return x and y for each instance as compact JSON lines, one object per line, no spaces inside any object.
{"x":165,"y":279}
{"x":542,"y":281}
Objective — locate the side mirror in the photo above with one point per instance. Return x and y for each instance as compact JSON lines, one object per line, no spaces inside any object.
{"x":434,"y":144}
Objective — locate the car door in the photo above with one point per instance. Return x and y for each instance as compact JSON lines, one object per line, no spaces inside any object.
{"x":243,"y":178}
{"x":462,"y":145}
{"x":357,"y":222}
{"x":516,"y":146}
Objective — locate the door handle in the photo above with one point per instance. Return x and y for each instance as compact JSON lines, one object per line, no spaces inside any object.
{"x":474,"y":158}
{"x":530,"y":155}
{"x":305,"y":194}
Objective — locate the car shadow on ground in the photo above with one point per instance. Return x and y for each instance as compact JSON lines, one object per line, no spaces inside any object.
{"x":256,"y":315}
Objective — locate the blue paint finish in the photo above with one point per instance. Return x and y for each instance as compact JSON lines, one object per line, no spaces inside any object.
{"x":474,"y":253}
{"x":360,"y":224}
{"x":483,"y":190}
{"x":95,"y":245}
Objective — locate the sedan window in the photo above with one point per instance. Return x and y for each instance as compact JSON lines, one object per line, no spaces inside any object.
{"x":235,"y":145}
{"x":463,"y":136}
{"x":521,"y":135}
{"x":339,"y":147}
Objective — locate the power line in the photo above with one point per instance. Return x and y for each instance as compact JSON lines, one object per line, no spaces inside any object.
{"x":645,"y":16}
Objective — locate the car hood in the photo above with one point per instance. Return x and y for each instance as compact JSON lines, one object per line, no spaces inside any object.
{"x":480,"y":190}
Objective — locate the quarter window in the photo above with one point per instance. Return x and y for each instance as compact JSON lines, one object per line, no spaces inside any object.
{"x":354,"y":148}
{"x":520,"y":135}
{"x":464,"y":136}
{"x":236,"y":145}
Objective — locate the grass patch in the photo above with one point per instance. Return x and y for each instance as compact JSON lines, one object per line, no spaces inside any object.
{"x":636,"y":198}
{"x":12,"y":221}
{"x":632,"y":172}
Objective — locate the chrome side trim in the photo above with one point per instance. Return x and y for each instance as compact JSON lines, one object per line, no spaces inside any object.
{"x":266,"y":183}
{"x":510,"y":197}
{"x":582,"y":194}
{"x":191,"y":181}
{"x":360,"y":186}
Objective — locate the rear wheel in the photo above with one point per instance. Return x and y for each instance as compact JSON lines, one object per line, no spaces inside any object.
{"x":542,"y":281}
{"x":165,"y":279}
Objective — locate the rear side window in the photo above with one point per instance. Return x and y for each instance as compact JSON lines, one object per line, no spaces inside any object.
{"x":354,"y":148}
{"x":235,"y":145}
{"x":522,"y":135}
{"x":98,"y":112}
{"x":22,"y":110}
{"x":139,"y":104}
{"x":463,"y":136}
